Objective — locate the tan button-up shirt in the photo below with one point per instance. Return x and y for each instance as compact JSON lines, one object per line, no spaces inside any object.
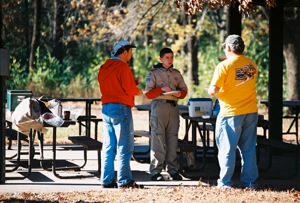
{"x":162,"y":77}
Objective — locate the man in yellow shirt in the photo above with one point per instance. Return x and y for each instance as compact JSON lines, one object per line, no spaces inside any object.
{"x":234,"y":82}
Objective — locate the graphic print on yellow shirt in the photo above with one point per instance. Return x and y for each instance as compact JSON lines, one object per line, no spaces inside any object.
{"x":245,"y":73}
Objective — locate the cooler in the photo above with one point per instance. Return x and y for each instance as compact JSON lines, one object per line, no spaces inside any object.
{"x":14,"y":98}
{"x":200,"y":106}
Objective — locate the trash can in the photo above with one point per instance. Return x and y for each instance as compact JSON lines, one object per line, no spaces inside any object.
{"x":14,"y":98}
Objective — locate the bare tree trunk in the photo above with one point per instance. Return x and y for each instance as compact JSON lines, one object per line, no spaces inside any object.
{"x":222,"y":25}
{"x":192,"y":45}
{"x":193,"y":49}
{"x":291,"y":51}
{"x":58,"y":51}
{"x":219,"y":17}
{"x":26,"y":28}
{"x":36,"y":34}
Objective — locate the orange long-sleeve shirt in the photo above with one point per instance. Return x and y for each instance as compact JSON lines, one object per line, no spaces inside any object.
{"x":117,"y":84}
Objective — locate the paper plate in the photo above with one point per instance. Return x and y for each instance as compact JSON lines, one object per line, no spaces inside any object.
{"x":171,"y":92}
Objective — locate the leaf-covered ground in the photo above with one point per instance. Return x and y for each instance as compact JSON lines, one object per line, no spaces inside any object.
{"x":161,"y":194}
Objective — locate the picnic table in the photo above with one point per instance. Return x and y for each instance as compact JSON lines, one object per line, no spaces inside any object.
{"x":88,"y":117}
{"x":205,"y":127}
{"x":85,"y":141}
{"x":31,"y":136}
{"x":295,"y":106}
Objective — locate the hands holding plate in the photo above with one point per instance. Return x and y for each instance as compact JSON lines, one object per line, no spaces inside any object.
{"x":168,"y":91}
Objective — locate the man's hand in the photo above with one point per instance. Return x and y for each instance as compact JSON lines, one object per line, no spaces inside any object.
{"x":212,"y":90}
{"x":138,"y":80}
{"x":177,"y":94}
{"x":166,"y":89}
{"x":140,"y":92}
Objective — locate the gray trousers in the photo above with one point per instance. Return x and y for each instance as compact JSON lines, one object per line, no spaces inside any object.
{"x":164,"y":122}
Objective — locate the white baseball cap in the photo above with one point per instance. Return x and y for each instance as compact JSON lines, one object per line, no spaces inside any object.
{"x":121,"y":44}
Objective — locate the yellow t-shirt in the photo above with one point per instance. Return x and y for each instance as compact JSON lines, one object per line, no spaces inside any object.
{"x":236,"y":78}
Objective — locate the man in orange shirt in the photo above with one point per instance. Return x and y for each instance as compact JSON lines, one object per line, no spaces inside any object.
{"x":118,"y":88}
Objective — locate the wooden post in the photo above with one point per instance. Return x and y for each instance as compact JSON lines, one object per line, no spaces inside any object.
{"x":234,"y":22}
{"x":276,"y":71}
{"x":2,"y":112}
{"x":2,"y":133}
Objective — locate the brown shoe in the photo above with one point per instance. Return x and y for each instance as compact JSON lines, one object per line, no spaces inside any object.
{"x":110,"y":185}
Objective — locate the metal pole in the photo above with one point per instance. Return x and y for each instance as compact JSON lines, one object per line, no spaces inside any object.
{"x":2,"y":139}
{"x":2,"y":112}
{"x":276,"y":71}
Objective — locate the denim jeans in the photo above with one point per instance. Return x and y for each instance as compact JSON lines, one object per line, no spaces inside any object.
{"x":237,"y":132}
{"x":118,"y":142}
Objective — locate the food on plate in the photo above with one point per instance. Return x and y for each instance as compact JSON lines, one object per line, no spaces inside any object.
{"x":48,"y":116}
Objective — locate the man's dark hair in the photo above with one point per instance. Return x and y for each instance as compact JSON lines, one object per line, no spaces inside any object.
{"x":164,"y":51}
{"x":122,"y":49}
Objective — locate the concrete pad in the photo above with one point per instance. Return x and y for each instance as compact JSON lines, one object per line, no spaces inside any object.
{"x":41,"y":180}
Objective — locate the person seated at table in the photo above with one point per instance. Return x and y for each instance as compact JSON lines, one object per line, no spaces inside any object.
{"x":164,"y":118}
{"x":234,"y":82}
{"x":118,"y":88}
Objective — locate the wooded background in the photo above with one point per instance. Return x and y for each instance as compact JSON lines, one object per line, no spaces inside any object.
{"x":56,"y":46}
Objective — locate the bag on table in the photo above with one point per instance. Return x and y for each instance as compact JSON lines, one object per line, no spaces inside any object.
{"x":27,"y":115}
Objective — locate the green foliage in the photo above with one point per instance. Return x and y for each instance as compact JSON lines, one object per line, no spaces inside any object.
{"x":210,"y":53}
{"x":50,"y":78}
{"x":255,"y":33}
{"x":259,"y":53}
{"x":84,"y":63}
{"x":75,"y":76}
{"x":18,"y":76}
{"x":143,"y":61}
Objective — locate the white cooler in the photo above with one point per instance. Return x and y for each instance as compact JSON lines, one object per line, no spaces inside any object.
{"x":200,"y":106}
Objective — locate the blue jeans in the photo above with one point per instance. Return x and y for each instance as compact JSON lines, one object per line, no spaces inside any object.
{"x":118,"y":142}
{"x":237,"y":132}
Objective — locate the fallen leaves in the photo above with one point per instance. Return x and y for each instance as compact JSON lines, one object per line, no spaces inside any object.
{"x":158,"y":194}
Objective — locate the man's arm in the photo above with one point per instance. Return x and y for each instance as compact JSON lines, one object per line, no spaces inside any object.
{"x":213,"y":90}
